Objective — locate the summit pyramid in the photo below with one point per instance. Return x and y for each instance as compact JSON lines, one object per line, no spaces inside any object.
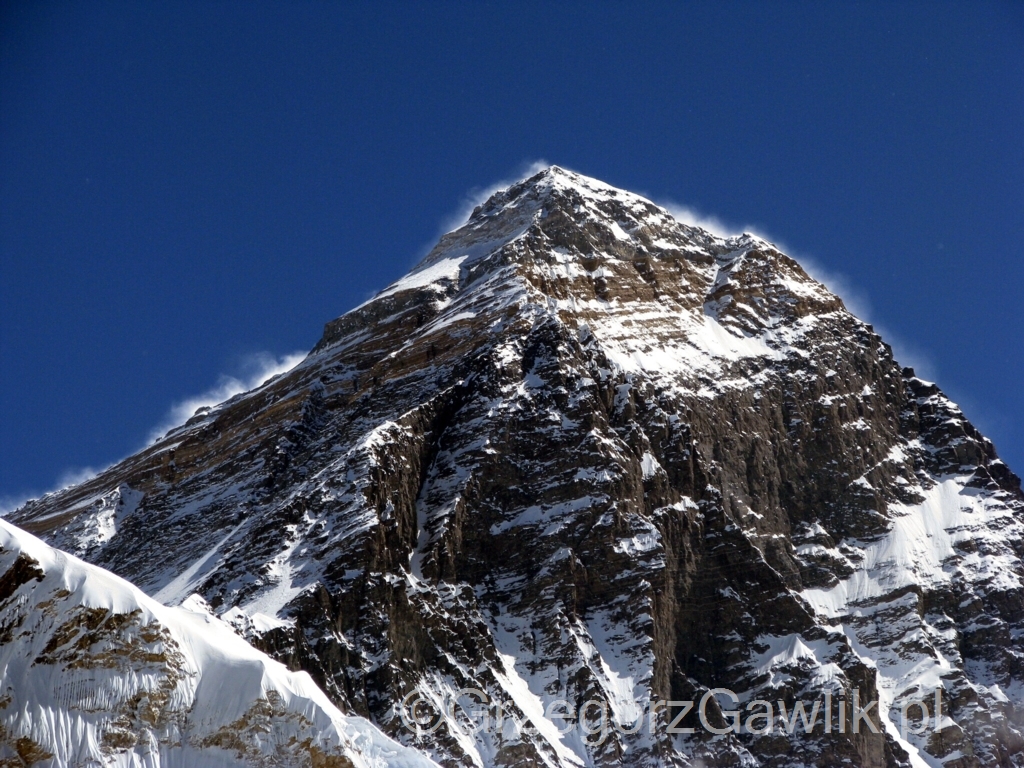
{"x":587,"y":459}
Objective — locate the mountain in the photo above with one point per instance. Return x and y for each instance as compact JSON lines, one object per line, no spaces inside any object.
{"x":586,"y":457}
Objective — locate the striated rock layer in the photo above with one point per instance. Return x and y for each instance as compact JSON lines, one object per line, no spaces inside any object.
{"x":584,"y":452}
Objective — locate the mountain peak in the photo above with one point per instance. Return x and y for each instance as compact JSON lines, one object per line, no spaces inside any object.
{"x":556,"y":177}
{"x":586,"y":453}
{"x":555,"y":182}
{"x":576,"y":215}
{"x":579,"y":247}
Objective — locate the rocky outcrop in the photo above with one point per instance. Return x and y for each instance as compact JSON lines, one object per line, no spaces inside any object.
{"x":586,"y":457}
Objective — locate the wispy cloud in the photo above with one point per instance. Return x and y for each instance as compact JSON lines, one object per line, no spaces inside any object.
{"x":10,"y":502}
{"x":712,"y":223}
{"x":76,"y":475}
{"x":471,"y":199}
{"x":257,"y":370}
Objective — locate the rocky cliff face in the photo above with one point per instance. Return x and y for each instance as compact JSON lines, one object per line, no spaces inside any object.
{"x":585,"y":453}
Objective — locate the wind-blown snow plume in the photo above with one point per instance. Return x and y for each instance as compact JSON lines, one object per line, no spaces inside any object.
{"x":260,"y":368}
{"x":257,"y":369}
{"x":478,"y":195}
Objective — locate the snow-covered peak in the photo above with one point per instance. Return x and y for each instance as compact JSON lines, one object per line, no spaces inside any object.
{"x":587,"y":226}
{"x":556,"y":178}
{"x":553,"y":193}
{"x":94,"y":672}
{"x":656,"y":294}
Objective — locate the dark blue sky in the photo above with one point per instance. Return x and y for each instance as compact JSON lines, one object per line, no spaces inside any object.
{"x":184,"y":186}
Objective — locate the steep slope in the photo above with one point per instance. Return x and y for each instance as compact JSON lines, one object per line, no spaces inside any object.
{"x":584,"y":452}
{"x":96,"y":673}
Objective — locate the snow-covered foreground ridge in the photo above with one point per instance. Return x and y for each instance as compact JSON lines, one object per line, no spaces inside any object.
{"x":93,"y":672}
{"x":586,"y":453}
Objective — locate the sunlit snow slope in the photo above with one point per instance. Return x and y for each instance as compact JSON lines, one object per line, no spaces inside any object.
{"x":93,"y":672}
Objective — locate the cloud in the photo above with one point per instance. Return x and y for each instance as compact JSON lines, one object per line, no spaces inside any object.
{"x":713,"y":224}
{"x":76,"y":475}
{"x":470,"y":200}
{"x":9,"y":503}
{"x":257,"y":370}
{"x":855,"y":300}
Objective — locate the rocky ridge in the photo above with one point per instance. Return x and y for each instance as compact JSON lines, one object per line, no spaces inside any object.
{"x":584,"y":452}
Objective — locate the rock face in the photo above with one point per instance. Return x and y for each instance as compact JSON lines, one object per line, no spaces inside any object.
{"x":584,"y":456}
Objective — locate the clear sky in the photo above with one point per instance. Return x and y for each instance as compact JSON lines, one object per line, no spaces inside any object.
{"x":189,"y":191}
